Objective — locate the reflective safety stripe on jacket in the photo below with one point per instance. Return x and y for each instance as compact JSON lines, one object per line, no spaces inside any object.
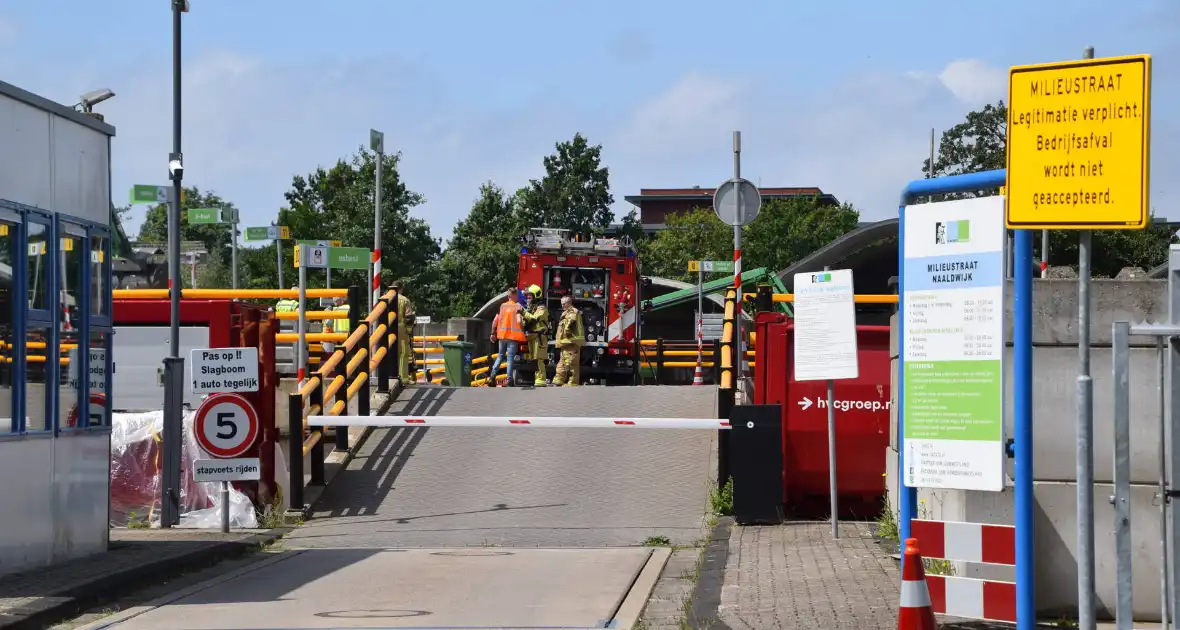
{"x":342,"y":325}
{"x":284,"y":306}
{"x":508,"y":328}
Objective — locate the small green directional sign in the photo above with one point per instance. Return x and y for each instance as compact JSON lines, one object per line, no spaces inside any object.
{"x":143,"y":193}
{"x":348,"y":257}
{"x":204,"y":215}
{"x":267,"y":233}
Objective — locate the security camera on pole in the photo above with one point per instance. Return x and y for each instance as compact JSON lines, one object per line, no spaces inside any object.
{"x":736,"y":203}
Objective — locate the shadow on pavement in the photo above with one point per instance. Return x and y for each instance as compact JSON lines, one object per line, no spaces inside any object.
{"x":267,"y":582}
{"x":361,"y":488}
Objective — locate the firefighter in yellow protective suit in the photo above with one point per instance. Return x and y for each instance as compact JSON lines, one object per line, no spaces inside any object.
{"x":571,"y":334}
{"x":536,"y":327}
{"x":405,"y":331}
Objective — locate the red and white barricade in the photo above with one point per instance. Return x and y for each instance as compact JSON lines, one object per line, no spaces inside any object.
{"x":990,"y":600}
{"x":518,"y":421}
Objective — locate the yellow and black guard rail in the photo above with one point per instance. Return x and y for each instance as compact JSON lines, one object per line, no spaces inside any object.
{"x":370,"y":347}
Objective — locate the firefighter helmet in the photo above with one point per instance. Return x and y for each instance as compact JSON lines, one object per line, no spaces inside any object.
{"x":535,"y":290}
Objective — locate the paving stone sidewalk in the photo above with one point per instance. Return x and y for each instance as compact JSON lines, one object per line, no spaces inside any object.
{"x":796,"y":576}
{"x":136,"y":558}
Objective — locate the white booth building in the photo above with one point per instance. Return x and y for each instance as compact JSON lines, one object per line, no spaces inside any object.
{"x":55,"y":299}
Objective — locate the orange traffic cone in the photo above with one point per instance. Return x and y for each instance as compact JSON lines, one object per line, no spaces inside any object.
{"x":697,"y":379}
{"x":915,"y":611}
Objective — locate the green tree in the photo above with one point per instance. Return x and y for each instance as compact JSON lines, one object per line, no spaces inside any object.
{"x":337,"y":203}
{"x":974,"y":145}
{"x":631,"y":226}
{"x":213,"y":236}
{"x":213,"y":272}
{"x":979,"y":143}
{"x":785,"y":231}
{"x":574,"y":194}
{"x":694,"y":235}
{"x":481,"y":257}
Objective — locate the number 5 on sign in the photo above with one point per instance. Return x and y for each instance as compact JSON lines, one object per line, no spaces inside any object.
{"x":226,"y":425}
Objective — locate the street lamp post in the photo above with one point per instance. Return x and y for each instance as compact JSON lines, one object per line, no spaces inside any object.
{"x":173,"y":364}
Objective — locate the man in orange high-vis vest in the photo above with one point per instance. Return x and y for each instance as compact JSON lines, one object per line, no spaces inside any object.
{"x":508,"y":330}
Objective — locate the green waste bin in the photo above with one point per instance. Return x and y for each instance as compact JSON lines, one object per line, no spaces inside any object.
{"x":457,"y":362}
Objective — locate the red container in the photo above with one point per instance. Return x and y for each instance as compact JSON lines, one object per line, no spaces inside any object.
{"x":862,"y":421}
{"x":227,"y":322}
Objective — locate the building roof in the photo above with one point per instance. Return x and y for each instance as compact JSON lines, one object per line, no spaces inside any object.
{"x":40,"y":102}
{"x":697,"y":193}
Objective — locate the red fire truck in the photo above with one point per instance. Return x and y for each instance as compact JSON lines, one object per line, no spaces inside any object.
{"x":602,"y":276}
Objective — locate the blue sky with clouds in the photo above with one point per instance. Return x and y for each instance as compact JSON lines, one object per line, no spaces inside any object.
{"x":840,"y":95}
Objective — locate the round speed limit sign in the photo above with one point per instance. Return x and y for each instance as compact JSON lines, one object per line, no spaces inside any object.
{"x":226,"y":425}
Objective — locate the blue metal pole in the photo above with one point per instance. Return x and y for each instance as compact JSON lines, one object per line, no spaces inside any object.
{"x":1026,"y":611}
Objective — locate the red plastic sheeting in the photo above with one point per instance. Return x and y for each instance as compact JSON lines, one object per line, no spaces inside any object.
{"x":862,"y":421}
{"x":135,"y":477}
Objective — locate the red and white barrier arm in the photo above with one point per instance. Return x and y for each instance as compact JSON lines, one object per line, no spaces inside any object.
{"x":518,"y":421}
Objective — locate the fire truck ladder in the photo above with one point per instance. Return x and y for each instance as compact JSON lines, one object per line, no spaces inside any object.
{"x":752,"y":276}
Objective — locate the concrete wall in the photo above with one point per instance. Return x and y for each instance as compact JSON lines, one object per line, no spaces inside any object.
{"x":1055,"y":370}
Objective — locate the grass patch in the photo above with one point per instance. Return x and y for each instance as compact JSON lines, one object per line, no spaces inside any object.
{"x":134,"y":521}
{"x":888,"y":530}
{"x":887,"y":523}
{"x":657,"y":541}
{"x":721,"y":499}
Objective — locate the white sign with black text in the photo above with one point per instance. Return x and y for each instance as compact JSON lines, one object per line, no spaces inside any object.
{"x":217,"y":370}
{"x":825,"y":326}
{"x":98,"y":369}
{"x":240,"y":469}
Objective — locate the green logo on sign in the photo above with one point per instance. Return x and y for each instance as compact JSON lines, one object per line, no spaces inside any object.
{"x":952,"y":232}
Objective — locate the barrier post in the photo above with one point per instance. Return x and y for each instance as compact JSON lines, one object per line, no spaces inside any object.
{"x":383,"y":342}
{"x":717,"y":361}
{"x":295,"y":446}
{"x":392,"y":360}
{"x":317,"y":449}
{"x":342,"y":397}
{"x":362,"y":397}
{"x":355,"y":298}
{"x":659,"y":358}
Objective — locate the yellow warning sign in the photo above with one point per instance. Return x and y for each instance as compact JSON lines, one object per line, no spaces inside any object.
{"x":1079,"y":144}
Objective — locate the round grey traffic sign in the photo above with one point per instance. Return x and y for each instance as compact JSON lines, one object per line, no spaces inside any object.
{"x":725,"y":201}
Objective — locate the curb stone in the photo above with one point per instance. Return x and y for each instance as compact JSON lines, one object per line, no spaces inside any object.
{"x":706,"y":596}
{"x":56,"y":607}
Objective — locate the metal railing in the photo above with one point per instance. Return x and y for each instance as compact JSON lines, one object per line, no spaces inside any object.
{"x":227,"y":294}
{"x":370,"y":347}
